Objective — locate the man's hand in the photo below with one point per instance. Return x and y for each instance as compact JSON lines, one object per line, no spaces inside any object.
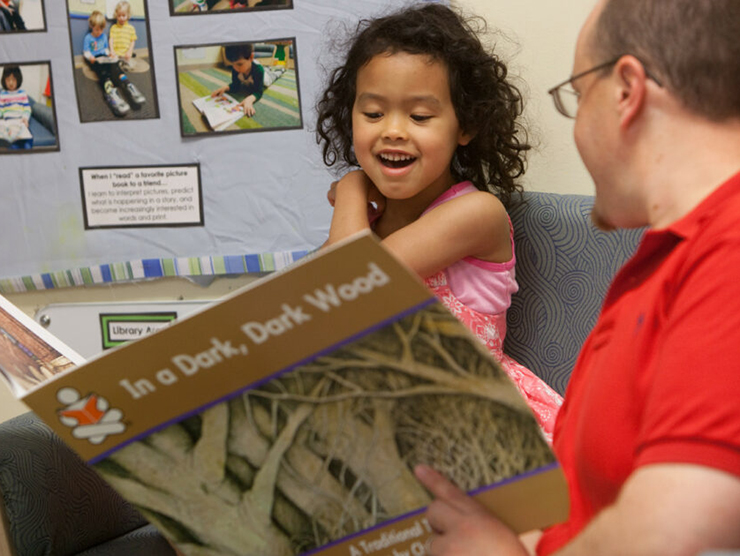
{"x":462,"y":526}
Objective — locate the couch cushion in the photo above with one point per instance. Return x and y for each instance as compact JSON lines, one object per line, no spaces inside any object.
{"x":54,"y":503}
{"x":564,"y":266}
{"x":42,"y":125}
{"x":144,"y":541}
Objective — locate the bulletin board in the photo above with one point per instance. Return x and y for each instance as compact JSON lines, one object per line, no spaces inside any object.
{"x":169,"y":185}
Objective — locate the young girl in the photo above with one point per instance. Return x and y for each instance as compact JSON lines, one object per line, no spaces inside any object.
{"x":15,"y":109}
{"x":427,"y":114}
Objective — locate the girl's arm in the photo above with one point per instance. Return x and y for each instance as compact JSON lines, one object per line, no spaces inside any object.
{"x":27,"y":111}
{"x":130,"y":51}
{"x":472,"y":225}
{"x":351,"y":196}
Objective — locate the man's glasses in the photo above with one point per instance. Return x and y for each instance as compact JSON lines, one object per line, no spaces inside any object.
{"x":566,"y":98}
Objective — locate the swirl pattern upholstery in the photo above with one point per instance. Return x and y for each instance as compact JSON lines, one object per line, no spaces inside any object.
{"x":564,"y":266}
{"x":54,"y":505}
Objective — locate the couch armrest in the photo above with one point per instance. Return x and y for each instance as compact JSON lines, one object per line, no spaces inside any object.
{"x":5,"y":548}
{"x":55,"y":503}
{"x":43,"y":114}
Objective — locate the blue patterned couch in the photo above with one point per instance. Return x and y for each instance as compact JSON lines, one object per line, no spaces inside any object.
{"x":55,"y":505}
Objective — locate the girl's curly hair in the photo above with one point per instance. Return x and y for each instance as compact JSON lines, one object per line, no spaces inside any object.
{"x":485,"y":103}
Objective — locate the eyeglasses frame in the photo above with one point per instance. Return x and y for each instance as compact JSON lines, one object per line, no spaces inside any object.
{"x":554,"y":92}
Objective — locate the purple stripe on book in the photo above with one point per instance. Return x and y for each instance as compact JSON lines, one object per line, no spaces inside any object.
{"x":421,"y":510}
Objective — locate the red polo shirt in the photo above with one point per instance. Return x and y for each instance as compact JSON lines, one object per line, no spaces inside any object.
{"x":658,"y":379}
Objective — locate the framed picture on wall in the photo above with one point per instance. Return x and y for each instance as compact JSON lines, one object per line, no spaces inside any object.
{"x":194,"y":7}
{"x":111,"y":56}
{"x":238,"y":87}
{"x":20,"y":16}
{"x":28,"y":122}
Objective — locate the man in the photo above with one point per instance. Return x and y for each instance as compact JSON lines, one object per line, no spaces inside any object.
{"x":649,"y":435}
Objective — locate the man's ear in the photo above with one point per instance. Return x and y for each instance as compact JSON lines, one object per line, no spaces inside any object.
{"x":632,"y":89}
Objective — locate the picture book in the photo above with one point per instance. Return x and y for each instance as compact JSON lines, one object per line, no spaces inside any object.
{"x":13,"y":130}
{"x":287,"y":418}
{"x":106,"y":59}
{"x":220,"y":112}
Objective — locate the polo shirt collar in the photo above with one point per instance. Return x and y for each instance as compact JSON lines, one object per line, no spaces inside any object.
{"x":690,"y":224}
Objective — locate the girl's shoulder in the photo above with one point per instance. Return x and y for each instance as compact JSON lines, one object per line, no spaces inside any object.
{"x":464,"y":196}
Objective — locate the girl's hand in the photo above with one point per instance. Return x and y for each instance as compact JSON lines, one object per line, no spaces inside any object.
{"x":462,"y":526}
{"x":358,"y":179}
{"x":331,"y":195}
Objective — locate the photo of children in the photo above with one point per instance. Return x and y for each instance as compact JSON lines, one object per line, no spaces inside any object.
{"x":181,"y":7}
{"x":238,"y":87}
{"x":21,"y":15}
{"x":113,"y":71}
{"x":27,"y":117}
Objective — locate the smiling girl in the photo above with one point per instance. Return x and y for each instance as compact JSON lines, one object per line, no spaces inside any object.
{"x":426,"y":113}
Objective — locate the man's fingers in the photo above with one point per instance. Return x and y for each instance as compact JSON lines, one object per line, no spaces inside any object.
{"x":443,"y":489}
{"x":443,"y":517}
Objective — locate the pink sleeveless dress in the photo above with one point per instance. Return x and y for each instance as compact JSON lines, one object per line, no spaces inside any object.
{"x":478,"y":293}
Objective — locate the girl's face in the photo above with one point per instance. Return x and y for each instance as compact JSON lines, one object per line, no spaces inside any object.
{"x":121,"y":17}
{"x":404,"y":128}
{"x":10,"y":83}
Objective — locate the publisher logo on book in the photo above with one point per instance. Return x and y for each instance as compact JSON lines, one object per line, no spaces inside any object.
{"x":91,"y":417}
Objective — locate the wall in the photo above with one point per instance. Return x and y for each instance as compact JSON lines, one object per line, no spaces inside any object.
{"x":540,"y":40}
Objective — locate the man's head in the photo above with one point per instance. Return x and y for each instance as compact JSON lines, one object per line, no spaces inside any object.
{"x":240,"y":56}
{"x":663,"y":61}
{"x":691,"y":46}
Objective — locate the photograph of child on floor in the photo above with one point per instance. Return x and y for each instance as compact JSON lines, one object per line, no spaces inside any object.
{"x":21,"y":15}
{"x":238,"y":87}
{"x":27,"y":116}
{"x":183,"y":7}
{"x":114,"y":78}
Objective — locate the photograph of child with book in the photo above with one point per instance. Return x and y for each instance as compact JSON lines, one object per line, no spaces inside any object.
{"x":22,"y":16}
{"x":181,"y":7}
{"x":238,"y":87}
{"x":27,"y":115}
{"x":113,"y":71}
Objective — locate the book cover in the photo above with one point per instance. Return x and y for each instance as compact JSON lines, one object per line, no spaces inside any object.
{"x":220,"y":112}
{"x":287,"y":418}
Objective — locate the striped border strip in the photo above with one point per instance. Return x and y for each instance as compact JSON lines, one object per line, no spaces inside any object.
{"x":151,"y":268}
